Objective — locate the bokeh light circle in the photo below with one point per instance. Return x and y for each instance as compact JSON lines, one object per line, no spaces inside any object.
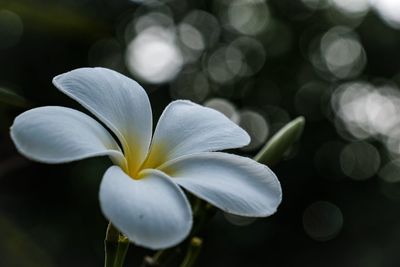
{"x":153,"y":55}
{"x":192,"y":85}
{"x":256,"y":126}
{"x":342,"y":53}
{"x":360,"y":160}
{"x":11,"y":28}
{"x":248,"y":16}
{"x":389,"y":11}
{"x":390,"y":172}
{"x":322,"y":221}
{"x":225,"y":107}
{"x":224,"y":64}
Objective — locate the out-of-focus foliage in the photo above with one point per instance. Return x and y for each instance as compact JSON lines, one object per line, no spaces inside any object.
{"x":261,"y":63}
{"x":280,"y":142}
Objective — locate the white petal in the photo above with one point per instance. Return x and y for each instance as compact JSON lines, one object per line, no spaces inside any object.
{"x":235,"y":184}
{"x":58,"y":134}
{"x":119,"y":102}
{"x":185,"y":128}
{"x":152,"y":212}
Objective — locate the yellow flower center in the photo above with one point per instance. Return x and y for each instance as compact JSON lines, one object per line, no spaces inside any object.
{"x":155,"y":158}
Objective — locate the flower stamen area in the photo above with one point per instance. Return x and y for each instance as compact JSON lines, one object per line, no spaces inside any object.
{"x":155,"y":158}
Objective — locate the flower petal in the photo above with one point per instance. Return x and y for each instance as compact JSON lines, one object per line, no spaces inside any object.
{"x":58,"y":134}
{"x":235,"y":184}
{"x":185,"y":128}
{"x":119,"y":102}
{"x":152,"y":212}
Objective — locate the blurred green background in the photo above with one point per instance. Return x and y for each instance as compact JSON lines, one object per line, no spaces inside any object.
{"x":262,"y":63}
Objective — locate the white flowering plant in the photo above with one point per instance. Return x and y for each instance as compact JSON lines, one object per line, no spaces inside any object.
{"x":141,"y":193}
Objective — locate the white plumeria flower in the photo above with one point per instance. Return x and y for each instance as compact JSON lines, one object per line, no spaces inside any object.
{"x":140,"y":194}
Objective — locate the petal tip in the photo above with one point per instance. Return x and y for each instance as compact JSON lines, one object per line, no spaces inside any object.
{"x":246,"y":137}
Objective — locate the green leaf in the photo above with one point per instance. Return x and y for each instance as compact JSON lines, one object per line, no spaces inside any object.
{"x":11,"y":98}
{"x":19,"y":249}
{"x":274,"y":149}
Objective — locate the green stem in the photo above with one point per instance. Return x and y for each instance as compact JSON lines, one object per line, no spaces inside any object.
{"x":201,"y":212}
{"x":158,"y":258}
{"x":192,"y":252}
{"x":116,"y":246}
{"x":205,"y":213}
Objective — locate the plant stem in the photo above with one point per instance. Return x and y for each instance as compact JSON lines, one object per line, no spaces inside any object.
{"x":116,"y":246}
{"x":202,"y":212}
{"x":160,"y":257}
{"x":192,"y":252}
{"x":206,"y":213}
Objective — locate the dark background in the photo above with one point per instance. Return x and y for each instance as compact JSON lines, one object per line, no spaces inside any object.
{"x":334,"y":62}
